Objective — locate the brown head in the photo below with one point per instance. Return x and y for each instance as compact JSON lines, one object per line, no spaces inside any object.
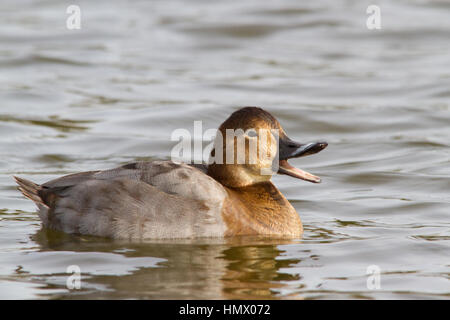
{"x":251,"y":146}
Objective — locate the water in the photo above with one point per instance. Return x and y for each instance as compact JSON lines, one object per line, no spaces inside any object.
{"x":112,"y":92}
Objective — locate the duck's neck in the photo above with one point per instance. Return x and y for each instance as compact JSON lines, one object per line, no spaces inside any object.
{"x":260,"y":209}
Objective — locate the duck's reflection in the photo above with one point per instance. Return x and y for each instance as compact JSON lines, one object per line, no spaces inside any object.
{"x":239,"y":268}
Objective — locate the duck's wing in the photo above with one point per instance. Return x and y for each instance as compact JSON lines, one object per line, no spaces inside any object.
{"x":142,"y":200}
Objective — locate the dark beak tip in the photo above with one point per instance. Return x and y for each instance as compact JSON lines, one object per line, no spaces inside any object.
{"x":291,"y":149}
{"x":317,"y":147}
{"x":323,"y":144}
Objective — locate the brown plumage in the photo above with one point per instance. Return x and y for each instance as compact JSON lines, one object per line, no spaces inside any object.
{"x":162,"y":199}
{"x":260,"y":209}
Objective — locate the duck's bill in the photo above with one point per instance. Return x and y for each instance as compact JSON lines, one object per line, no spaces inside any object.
{"x":285,"y":168}
{"x":290,"y":149}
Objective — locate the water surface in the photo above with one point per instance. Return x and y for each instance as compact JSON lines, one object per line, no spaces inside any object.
{"x":113,"y":92}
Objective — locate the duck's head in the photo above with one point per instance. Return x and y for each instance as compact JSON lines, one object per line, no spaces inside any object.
{"x":251,"y":146}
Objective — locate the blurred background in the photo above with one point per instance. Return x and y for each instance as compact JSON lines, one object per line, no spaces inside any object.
{"x":113,"y":91}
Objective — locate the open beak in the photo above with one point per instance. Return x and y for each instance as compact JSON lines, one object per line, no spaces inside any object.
{"x":290,"y":149}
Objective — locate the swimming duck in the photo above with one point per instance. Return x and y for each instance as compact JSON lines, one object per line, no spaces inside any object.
{"x":169,"y":200}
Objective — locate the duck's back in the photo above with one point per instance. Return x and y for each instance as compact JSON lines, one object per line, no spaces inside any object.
{"x":143,"y":200}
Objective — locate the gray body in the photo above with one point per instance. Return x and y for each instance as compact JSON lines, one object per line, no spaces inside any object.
{"x":144,"y":200}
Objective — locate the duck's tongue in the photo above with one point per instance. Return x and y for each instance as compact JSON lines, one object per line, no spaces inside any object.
{"x":291,"y":149}
{"x":286,"y":168}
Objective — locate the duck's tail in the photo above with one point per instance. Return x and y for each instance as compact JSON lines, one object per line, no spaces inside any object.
{"x":30,"y":190}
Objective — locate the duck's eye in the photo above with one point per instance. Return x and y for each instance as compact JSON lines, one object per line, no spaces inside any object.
{"x":252,"y":133}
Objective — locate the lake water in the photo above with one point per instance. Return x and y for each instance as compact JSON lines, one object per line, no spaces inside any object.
{"x":113,"y":92}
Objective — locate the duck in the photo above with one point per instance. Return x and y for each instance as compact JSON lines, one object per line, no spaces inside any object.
{"x":167,"y":199}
